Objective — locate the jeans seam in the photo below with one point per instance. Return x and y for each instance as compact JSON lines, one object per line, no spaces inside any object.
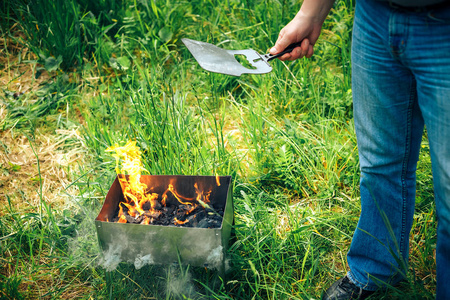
{"x":405,"y":167}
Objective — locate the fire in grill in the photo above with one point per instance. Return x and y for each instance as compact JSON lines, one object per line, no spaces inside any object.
{"x":148,"y":219}
{"x":169,"y":207}
{"x":158,"y":243}
{"x":145,"y":205}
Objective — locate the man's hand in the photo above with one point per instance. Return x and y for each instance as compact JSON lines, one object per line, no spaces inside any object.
{"x":305,"y":27}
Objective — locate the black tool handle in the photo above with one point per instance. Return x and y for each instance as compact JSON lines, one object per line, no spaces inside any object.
{"x":287,"y":50}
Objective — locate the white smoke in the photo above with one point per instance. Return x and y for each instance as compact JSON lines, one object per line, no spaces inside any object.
{"x":215,"y":258}
{"x":179,"y":284}
{"x":111,"y":257}
{"x":141,"y":261}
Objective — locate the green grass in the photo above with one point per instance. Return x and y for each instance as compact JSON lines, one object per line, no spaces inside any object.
{"x":116,"y":70}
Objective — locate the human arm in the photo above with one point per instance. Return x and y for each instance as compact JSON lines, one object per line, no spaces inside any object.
{"x":306,"y":26}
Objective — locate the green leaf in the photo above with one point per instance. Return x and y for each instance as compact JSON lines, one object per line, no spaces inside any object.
{"x":52,"y":64}
{"x":165,"y":34}
{"x":253,"y":268}
{"x":120,"y":63}
{"x":154,"y":8}
{"x":14,"y":167}
{"x":124,"y":62}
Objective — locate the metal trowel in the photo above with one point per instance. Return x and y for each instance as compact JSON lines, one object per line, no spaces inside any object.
{"x":219,"y":60}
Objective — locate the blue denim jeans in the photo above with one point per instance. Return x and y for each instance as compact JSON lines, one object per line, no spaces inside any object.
{"x":401,"y":82}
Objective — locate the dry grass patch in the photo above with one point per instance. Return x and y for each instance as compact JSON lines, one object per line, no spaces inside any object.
{"x":20,"y":175}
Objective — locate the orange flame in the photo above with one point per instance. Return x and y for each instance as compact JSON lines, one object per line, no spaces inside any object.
{"x":120,"y":211}
{"x":177,"y":222}
{"x":134,"y":190}
{"x":179,"y":197}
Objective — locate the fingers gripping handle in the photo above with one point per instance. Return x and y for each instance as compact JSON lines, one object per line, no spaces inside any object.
{"x":287,"y":50}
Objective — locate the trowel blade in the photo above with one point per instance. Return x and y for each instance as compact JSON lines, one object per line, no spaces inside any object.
{"x":215,"y":59}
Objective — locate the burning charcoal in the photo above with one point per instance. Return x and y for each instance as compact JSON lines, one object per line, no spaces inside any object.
{"x":216,"y":224}
{"x":157,"y":205}
{"x":172,"y":209}
{"x":146,"y":206}
{"x":185,"y":207}
{"x":153,"y":214}
{"x":192,"y":221}
{"x":181,"y":223}
{"x":210,"y":221}
{"x":203,"y":223}
{"x":168,"y":210}
{"x":146,"y":221}
{"x":130,"y":219}
{"x":200,"y":215}
{"x":153,"y":205}
{"x":197,"y":210}
{"x":166,"y":222}
{"x":181,"y":216}
{"x":164,"y":219}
